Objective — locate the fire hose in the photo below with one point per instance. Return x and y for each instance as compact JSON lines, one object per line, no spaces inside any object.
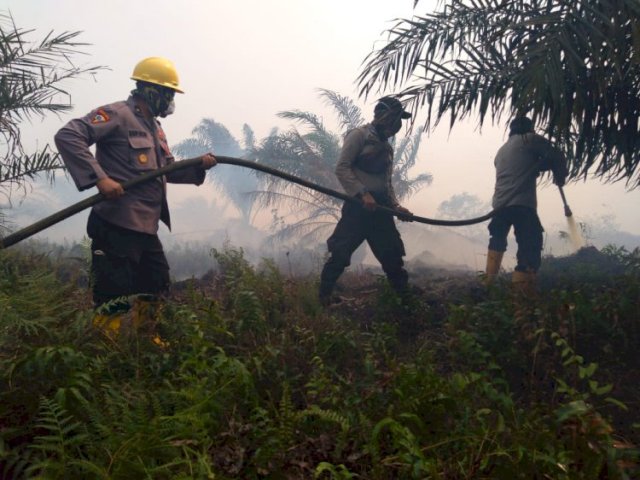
{"x":57,"y":217}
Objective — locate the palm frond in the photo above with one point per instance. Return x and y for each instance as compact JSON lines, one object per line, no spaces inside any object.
{"x":32,"y":79}
{"x":304,"y":118}
{"x":20,"y":167}
{"x":299,"y":199}
{"x":248,"y":137}
{"x":570,"y":64}
{"x":33,"y":75}
{"x":349,"y":114}
{"x":304,"y":231}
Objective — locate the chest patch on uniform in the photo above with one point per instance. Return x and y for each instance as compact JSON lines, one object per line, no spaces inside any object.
{"x":100,"y":117}
{"x":137,"y":133}
{"x":165,"y":148}
{"x":163,"y":141}
{"x":142,"y":158}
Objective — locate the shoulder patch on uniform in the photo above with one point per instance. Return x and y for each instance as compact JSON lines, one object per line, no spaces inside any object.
{"x":100,"y":117}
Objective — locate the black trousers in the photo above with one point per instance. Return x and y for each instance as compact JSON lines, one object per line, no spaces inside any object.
{"x":528,"y":231}
{"x":354,"y":227}
{"x":125,"y":262}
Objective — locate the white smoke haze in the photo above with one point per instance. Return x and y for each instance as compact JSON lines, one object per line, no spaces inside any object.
{"x":242,"y":63}
{"x":209,"y":221}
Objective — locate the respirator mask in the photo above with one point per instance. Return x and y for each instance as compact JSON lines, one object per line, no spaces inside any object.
{"x":159,"y":99}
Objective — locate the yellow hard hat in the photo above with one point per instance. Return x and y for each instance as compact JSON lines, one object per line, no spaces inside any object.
{"x":157,"y":70}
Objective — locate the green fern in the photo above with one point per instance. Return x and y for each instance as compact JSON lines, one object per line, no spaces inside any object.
{"x":248,"y":312}
{"x":339,"y":472}
{"x":402,"y":444}
{"x":329,"y":416}
{"x":139,"y":438}
{"x":286,"y":417}
{"x":61,"y":443}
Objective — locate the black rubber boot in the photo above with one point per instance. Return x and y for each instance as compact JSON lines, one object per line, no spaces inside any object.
{"x":328,"y":278}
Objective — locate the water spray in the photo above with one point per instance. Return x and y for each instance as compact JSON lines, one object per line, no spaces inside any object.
{"x":574,"y":233}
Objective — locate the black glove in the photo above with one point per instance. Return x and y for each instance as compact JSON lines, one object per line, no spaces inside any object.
{"x":560,"y":173}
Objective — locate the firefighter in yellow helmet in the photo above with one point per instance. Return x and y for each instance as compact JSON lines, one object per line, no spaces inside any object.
{"x":127,"y":256}
{"x":159,"y":71}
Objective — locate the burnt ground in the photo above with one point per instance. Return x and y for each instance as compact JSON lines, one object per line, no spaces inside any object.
{"x":364,"y":297}
{"x":359,"y":290}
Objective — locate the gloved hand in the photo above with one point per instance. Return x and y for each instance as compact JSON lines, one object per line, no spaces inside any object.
{"x":559,"y":174}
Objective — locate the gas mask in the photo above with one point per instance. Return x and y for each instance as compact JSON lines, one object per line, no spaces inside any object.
{"x":159,"y":99}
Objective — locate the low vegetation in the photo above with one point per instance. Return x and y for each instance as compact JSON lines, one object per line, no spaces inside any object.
{"x":242,"y":374}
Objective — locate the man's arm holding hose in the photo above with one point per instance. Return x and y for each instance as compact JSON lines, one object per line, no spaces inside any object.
{"x":394,"y":199}
{"x":195,"y":175}
{"x":552,"y":159}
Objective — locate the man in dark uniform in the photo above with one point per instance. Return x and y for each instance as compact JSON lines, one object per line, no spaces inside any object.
{"x":518,"y":164}
{"x":127,"y":256}
{"x":364,"y":170}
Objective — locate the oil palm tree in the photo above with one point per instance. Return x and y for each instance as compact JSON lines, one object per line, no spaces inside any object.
{"x":32,"y":77}
{"x":570,"y":64}
{"x":237,"y":183}
{"x":313,"y":155}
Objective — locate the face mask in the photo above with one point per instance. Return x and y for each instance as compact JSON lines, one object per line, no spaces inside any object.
{"x":388,"y":125}
{"x":159,"y":99}
{"x":170,"y":109}
{"x":393,"y":128}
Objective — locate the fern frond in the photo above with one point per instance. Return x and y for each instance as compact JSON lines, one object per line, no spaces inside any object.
{"x":59,"y":444}
{"x":329,"y":416}
{"x":286,"y":416}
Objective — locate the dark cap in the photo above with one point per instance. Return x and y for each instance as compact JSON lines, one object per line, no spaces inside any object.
{"x":520,"y":125}
{"x":391,"y":104}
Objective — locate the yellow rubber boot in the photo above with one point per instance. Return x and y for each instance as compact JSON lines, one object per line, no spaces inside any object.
{"x":494,"y":260}
{"x":109,"y":323}
{"x":143,"y":313}
{"x":144,"y":316}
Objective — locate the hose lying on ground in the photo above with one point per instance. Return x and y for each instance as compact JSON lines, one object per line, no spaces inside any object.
{"x":27,"y":232}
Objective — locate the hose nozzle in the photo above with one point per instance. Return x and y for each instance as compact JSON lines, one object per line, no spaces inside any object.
{"x":567,"y":210}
